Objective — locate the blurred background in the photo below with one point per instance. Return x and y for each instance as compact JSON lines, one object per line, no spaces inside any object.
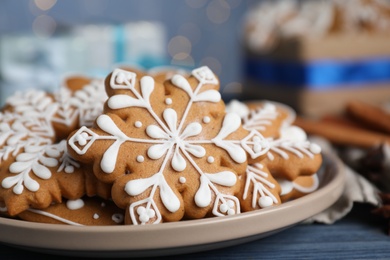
{"x":259,"y":49}
{"x":42,"y":39}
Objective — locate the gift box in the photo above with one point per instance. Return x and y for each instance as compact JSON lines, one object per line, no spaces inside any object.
{"x":29,"y":61}
{"x":316,"y":72}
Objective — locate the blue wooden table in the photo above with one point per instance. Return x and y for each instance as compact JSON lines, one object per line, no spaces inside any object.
{"x":360,"y":235}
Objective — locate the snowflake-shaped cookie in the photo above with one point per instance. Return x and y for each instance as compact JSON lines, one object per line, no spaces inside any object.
{"x":170,"y":150}
{"x":36,"y":169}
{"x":291,"y":156}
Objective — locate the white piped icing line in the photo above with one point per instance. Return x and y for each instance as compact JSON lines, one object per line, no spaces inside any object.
{"x":37,"y":159}
{"x":56,"y":217}
{"x":30,"y":129}
{"x":175,"y":144}
{"x":288,"y":186}
{"x":260,"y":118}
{"x":261,"y":187}
{"x":294,"y":140}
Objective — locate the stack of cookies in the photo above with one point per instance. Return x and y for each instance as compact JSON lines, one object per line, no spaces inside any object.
{"x":145,"y":148}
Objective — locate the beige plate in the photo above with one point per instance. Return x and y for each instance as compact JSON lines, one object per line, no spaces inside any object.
{"x":180,"y":237}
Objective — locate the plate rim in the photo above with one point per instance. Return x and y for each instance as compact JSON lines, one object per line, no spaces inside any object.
{"x":129,"y":238}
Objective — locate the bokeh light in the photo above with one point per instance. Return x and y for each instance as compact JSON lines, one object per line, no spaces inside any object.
{"x":218,"y":11}
{"x":179,"y":45}
{"x":44,"y":26}
{"x":232,"y":88}
{"x":45,"y":5}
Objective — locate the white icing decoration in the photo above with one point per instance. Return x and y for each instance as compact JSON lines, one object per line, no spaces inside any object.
{"x":260,"y":118}
{"x":206,"y":119}
{"x":140,"y":159}
{"x":261,"y":186}
{"x":230,"y":124}
{"x":182,"y":180}
{"x":298,"y":148}
{"x":75,"y":204}
{"x":50,"y":215}
{"x":265,"y":201}
{"x":288,"y":186}
{"x":210,"y":159}
{"x":96,"y":216}
{"x":168,"y":101}
{"x":30,"y":128}
{"x":36,"y":160}
{"x":138,"y":124}
{"x":173,"y":139}
{"x":237,"y":107}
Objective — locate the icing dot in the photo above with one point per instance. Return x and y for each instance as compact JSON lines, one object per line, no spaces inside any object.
{"x":315,"y":148}
{"x":102,"y":204}
{"x":144,"y":218}
{"x":168,"y":101}
{"x":138,"y":124}
{"x":96,"y":216}
{"x":117,"y":218}
{"x":206,"y":119}
{"x":75,"y":204}
{"x":224,"y":208}
{"x":145,"y":214}
{"x":151,"y":213}
{"x":182,"y":180}
{"x":231,"y":212}
{"x":69,"y":169}
{"x":140,"y":159}
{"x":140,"y":210}
{"x":230,"y":203}
{"x":265,"y":201}
{"x":210,"y":159}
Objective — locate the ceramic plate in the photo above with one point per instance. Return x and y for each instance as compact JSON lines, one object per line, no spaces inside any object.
{"x":179,"y":237}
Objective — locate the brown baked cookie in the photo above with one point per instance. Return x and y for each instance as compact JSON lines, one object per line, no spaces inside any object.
{"x":292,"y":155}
{"x":169,"y":149}
{"x":38,"y":175}
{"x":266,"y":117}
{"x":299,"y":187}
{"x":258,"y":189}
{"x":77,"y":103}
{"x":85,"y":211}
{"x":35,"y":169}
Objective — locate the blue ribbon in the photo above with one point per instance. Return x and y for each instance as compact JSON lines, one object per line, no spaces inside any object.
{"x":320,"y":74}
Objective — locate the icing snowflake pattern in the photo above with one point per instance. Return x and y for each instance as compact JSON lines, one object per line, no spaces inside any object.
{"x":173,"y":140}
{"x":27,"y":133}
{"x":256,"y":176}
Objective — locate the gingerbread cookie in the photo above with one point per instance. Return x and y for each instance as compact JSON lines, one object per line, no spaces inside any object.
{"x":169,"y":149}
{"x":80,"y":212}
{"x":293,"y":155}
{"x":266,"y":117}
{"x":301,"y":186}
{"x":35,"y":169}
